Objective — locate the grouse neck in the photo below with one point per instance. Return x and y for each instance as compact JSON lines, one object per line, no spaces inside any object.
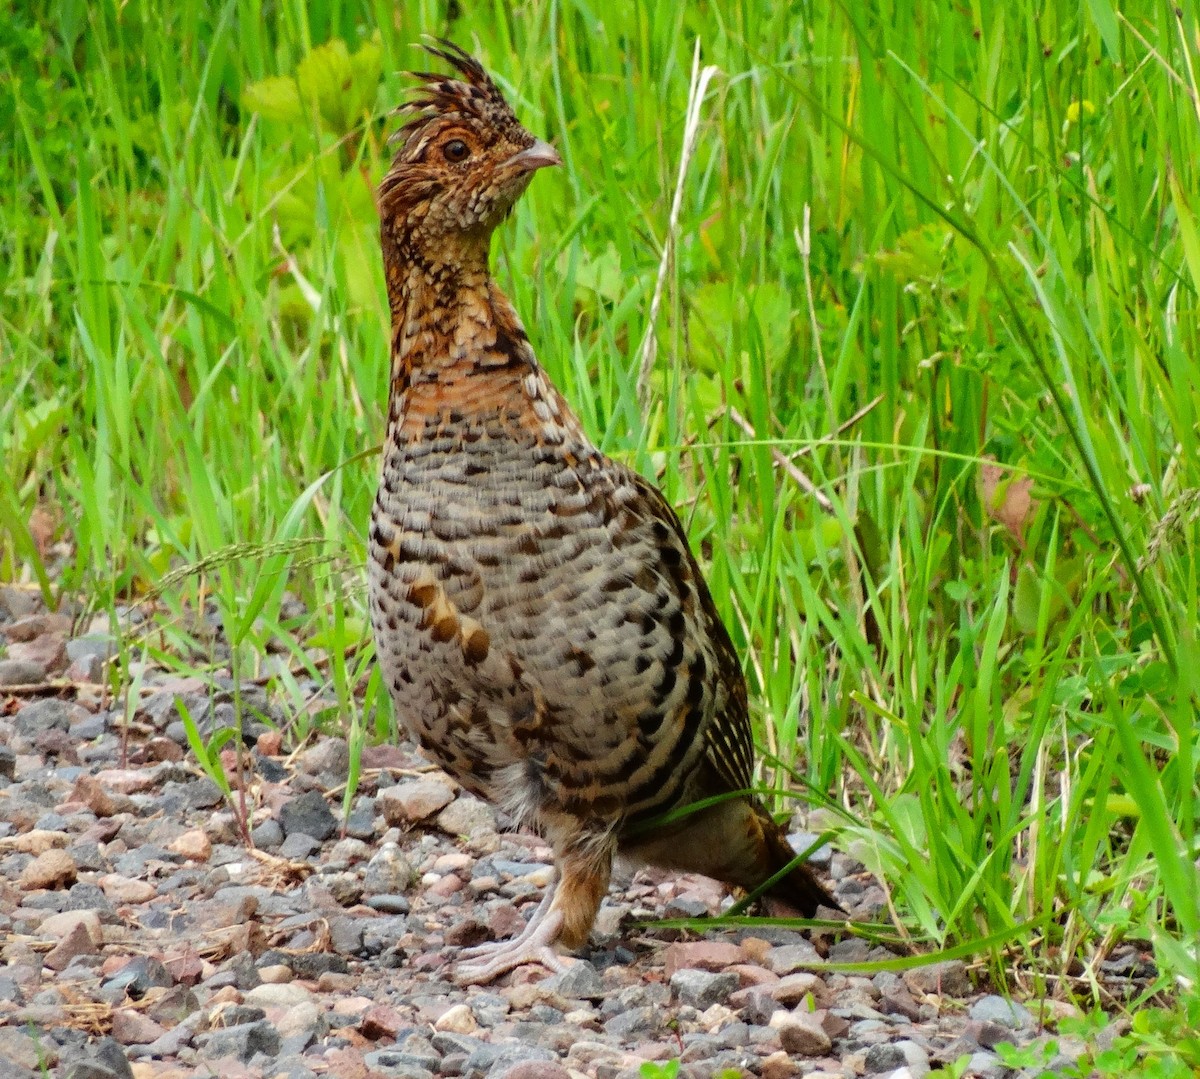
{"x":457,"y":347}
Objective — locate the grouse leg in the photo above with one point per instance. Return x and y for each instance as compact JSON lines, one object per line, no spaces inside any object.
{"x":534,"y":944}
{"x":564,"y":916}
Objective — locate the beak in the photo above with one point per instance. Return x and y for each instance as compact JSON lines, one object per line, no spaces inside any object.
{"x":540,"y":155}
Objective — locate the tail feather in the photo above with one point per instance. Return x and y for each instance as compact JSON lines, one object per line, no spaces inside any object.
{"x":735,"y":841}
{"x":800,"y":888}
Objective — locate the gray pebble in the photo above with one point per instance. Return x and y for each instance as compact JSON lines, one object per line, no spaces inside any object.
{"x":468,"y":816}
{"x":634,"y":1021}
{"x":948,"y":978}
{"x":91,"y":728}
{"x":40,"y":716}
{"x":242,"y":1041}
{"x":298,"y":846}
{"x":346,"y":935}
{"x":21,"y":672}
{"x":850,"y":950}
{"x":984,"y":1065}
{"x":792,"y":957}
{"x":100,"y":646}
{"x":103,"y":1060}
{"x":579,"y":982}
{"x":884,"y":1058}
{"x":389,"y":904}
{"x":139,"y":975}
{"x":802,"y":841}
{"x":310,"y":814}
{"x":494,"y":1060}
{"x":702,"y":989}
{"x":268,"y":835}
{"x":361,"y":822}
{"x":995,"y":1009}
{"x":388,"y":873}
{"x":8,"y":763}
{"x":445,"y":1041}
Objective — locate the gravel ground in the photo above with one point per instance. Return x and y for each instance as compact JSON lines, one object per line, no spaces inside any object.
{"x":140,"y":937}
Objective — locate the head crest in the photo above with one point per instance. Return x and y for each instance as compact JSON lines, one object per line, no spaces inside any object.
{"x":472,"y":96}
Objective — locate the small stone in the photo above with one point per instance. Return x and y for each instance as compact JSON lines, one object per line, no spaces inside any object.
{"x":458,"y":1020}
{"x":133,"y":1028}
{"x":898,"y":1002}
{"x":995,"y":1009}
{"x":298,"y":846}
{"x":47,"y":651}
{"x":755,"y":1005}
{"x":405,"y":804}
{"x":58,"y":926}
{"x":467,"y":816}
{"x":20,"y":1050}
{"x":379,"y":1022}
{"x":268,"y":835}
{"x":51,"y":869}
{"x":948,"y":978}
{"x":984,"y":1065}
{"x":309,"y":814}
{"x":21,"y":672}
{"x":99,"y":646}
{"x":140,"y":975}
{"x":500,"y":1059}
{"x":801,"y":1033}
{"x":884,"y":1058}
{"x":8,"y":763}
{"x":793,"y":988}
{"x":710,"y":955}
{"x":104,"y":1059}
{"x":536,"y":1069}
{"x":779,"y":1066}
{"x":388,"y":873}
{"x":465,"y":934}
{"x":242,"y":1041}
{"x":578,"y":982}
{"x":193,"y":845}
{"x":122,"y":889}
{"x":701,"y":989}
{"x":270,"y":994}
{"x":38,"y":717}
{"x":77,"y":942}
{"x":329,"y":756}
{"x":99,"y":799}
{"x":275,"y":974}
{"x":37,"y":625}
{"x":789,"y":958}
{"x":633,"y":1021}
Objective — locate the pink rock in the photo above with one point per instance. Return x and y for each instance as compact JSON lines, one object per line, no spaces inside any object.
{"x":77,"y":942}
{"x":710,"y":955}
{"x":58,"y":926}
{"x":127,"y":780}
{"x":133,"y":1028}
{"x":193,"y":845}
{"x":409,"y":803}
{"x":121,"y":889}
{"x":51,"y":869}
{"x":793,"y":988}
{"x":752,"y":974}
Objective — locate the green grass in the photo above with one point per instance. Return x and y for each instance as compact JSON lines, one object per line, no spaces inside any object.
{"x":944,"y":265}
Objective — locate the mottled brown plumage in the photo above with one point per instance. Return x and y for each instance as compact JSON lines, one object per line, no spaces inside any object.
{"x":543,"y":626}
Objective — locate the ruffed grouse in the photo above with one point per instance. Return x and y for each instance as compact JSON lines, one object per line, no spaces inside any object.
{"x":540,"y":620}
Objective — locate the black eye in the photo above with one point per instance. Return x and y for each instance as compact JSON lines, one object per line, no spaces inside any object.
{"x":455,"y":151}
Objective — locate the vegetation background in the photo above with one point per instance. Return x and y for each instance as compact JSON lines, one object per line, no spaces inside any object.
{"x":940,"y":260}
